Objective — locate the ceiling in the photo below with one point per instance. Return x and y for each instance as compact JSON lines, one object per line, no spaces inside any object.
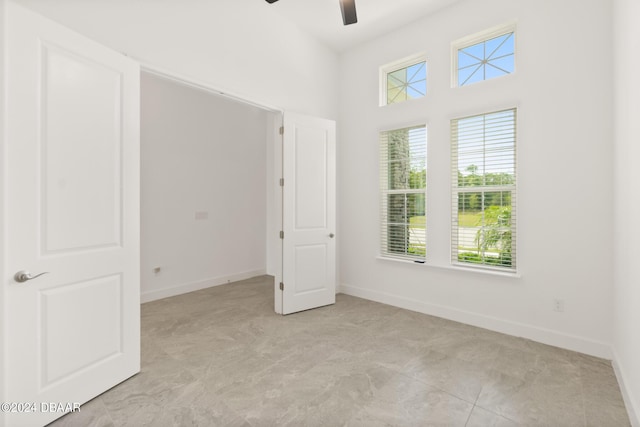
{"x":323,"y":20}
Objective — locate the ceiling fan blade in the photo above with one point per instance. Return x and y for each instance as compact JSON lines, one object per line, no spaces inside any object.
{"x":348,"y":8}
{"x":271,"y":1}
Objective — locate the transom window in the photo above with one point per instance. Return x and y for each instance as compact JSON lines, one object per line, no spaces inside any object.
{"x":483,"y":153}
{"x":404,"y":80}
{"x":484,"y":56}
{"x":403,"y":183}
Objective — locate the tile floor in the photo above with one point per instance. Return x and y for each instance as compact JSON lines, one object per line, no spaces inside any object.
{"x":220,"y":356}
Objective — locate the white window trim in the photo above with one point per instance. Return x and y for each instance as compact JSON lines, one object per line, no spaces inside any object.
{"x":464,"y":268}
{"x":479,"y":37}
{"x":395,"y":66}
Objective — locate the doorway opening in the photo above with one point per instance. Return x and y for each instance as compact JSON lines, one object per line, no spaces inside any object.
{"x":209,"y":187}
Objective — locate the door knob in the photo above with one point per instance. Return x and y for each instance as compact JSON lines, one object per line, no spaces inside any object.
{"x":332,"y":235}
{"x":24,"y":276}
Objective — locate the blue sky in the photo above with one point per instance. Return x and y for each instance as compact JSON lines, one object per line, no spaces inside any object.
{"x":485,"y":60}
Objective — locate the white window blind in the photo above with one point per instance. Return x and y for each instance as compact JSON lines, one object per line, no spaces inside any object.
{"x":403,"y":183}
{"x":483,"y":154}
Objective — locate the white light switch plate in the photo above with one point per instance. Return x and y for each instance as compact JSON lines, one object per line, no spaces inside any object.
{"x":202,"y":215}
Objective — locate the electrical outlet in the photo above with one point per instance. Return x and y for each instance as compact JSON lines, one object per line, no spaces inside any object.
{"x":558,"y":305}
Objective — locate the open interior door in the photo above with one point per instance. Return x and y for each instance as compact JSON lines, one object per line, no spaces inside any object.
{"x":309,"y":213}
{"x":72,"y":211}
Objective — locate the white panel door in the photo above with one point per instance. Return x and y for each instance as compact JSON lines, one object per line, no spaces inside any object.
{"x":309,"y":213}
{"x":73,"y":211}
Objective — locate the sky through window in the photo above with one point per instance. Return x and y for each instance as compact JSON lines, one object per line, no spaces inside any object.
{"x":485,"y":60}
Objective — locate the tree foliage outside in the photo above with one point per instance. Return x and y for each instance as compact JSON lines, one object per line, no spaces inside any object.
{"x":406,"y":172}
{"x":493,"y":239}
{"x":494,"y":236}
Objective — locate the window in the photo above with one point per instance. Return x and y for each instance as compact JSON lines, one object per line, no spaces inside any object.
{"x":483,"y":154}
{"x":403,"y":183}
{"x":484,"y":56}
{"x":403,"y":80}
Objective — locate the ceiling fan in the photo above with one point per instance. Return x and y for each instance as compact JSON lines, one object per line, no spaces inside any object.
{"x":348,"y":8}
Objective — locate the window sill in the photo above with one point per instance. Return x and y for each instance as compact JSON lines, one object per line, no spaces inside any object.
{"x":454,"y":267}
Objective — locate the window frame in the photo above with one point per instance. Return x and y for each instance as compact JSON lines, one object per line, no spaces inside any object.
{"x":398,"y":65}
{"x":480,"y":37}
{"x":384,"y":191}
{"x":456,"y":190}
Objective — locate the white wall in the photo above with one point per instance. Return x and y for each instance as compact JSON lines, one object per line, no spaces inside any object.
{"x":200,"y":153}
{"x":239,"y":46}
{"x":626,"y":341}
{"x":562,"y":88}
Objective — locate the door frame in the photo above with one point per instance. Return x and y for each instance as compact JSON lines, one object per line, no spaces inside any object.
{"x":3,"y":183}
{"x":276,"y":221}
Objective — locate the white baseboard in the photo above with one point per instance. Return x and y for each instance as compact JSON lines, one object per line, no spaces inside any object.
{"x":632,"y":405}
{"x":196,"y":286}
{"x":545,"y":336}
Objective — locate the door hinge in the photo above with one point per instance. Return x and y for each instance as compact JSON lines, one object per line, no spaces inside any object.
{"x":281,"y":182}
{"x":281,"y":130}
{"x":281,"y":286}
{"x":282,"y":234}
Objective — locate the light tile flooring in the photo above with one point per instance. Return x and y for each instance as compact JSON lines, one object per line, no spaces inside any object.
{"x":220,"y":356}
